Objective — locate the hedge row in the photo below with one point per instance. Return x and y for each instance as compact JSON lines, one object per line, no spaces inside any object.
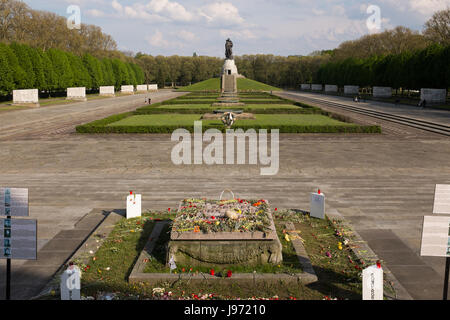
{"x":282,"y":129}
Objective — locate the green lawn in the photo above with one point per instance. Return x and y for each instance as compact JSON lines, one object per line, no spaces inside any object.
{"x":242,"y":84}
{"x":271,"y":120}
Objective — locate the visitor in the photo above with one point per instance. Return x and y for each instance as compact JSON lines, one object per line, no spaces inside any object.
{"x":356,"y":99}
{"x":422,"y":104}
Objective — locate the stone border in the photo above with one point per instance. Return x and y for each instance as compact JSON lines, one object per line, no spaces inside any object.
{"x":365,"y":253}
{"x":137,"y":275}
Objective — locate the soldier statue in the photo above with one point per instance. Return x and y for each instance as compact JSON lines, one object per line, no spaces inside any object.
{"x":229,"y":49}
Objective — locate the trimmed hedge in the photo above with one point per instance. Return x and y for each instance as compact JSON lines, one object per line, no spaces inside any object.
{"x":282,"y":128}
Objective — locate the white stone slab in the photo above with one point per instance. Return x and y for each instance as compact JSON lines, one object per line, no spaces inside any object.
{"x":71,"y":284}
{"x":442,"y":199}
{"x":26,"y":96}
{"x":18,"y":239}
{"x":127,"y":89}
{"x":372,"y":283}
{"x":107,"y":91}
{"x":152,"y":87}
{"x":351,"y":89}
{"x":306,"y":86}
{"x":141,"y":87}
{"x":317,"y":205}
{"x":435,"y":236}
{"x":134,"y":208}
{"x":76,"y":93}
{"x":331,"y":88}
{"x":382,"y":92}
{"x":316,"y":87}
{"x":433,"y":96}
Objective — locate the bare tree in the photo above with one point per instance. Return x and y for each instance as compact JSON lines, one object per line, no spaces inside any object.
{"x":437,"y":29}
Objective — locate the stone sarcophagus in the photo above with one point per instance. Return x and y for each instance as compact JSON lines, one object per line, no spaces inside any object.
{"x":225,"y":233}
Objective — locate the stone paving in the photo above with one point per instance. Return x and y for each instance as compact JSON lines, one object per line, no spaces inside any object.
{"x":383,"y":184}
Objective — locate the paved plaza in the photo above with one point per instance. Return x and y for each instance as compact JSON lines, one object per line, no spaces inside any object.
{"x":382,"y":183}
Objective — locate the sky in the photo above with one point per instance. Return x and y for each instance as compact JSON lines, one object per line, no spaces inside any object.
{"x":280,"y":27}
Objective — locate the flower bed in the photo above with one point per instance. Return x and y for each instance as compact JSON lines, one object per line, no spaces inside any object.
{"x":213,"y":216}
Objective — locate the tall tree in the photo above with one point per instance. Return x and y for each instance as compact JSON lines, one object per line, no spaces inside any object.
{"x":437,"y":28}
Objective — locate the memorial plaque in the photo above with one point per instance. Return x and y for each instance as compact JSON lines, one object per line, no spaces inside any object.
{"x":435,"y":236}
{"x":442,"y":199}
{"x":127,"y":89}
{"x":152,"y":87}
{"x":331,"y":88}
{"x":18,"y":239}
{"x":317,"y":204}
{"x":134,"y":208}
{"x":316,"y":87}
{"x":372,"y":283}
{"x":13,"y":202}
{"x":351,"y":89}
{"x":107,"y":91}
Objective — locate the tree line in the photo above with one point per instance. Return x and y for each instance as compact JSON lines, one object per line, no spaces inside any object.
{"x":426,"y":68}
{"x":55,"y":70}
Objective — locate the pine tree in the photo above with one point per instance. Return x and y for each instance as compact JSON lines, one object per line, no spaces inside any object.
{"x":63,"y":71}
{"x":18,"y":74}
{"x":6,"y":80}
{"x":94,"y":68}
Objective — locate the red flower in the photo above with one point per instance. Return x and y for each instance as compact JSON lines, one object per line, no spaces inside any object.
{"x":182,"y":270}
{"x":276,"y":209}
{"x":229,"y":273}
{"x":212,"y":217}
{"x":168,"y":209}
{"x":211,"y":272}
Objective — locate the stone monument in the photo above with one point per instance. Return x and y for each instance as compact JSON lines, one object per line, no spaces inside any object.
{"x":228,"y":83}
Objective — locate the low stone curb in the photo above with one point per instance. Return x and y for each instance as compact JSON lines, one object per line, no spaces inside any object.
{"x":137,"y":275}
{"x":365,"y":253}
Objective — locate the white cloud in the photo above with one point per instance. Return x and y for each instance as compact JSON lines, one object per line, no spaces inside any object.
{"x":428,"y":7}
{"x":237,"y":34}
{"x":186,"y":35}
{"x":224,"y":13}
{"x":96,"y":13}
{"x":172,"y":10}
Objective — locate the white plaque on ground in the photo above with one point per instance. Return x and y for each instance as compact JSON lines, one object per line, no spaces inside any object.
{"x":127,"y":89}
{"x":317,"y":205}
{"x":372,"y":283}
{"x":26,"y":96}
{"x":134,"y":208}
{"x":435,"y":236}
{"x":107,"y":91}
{"x":76,"y":93}
{"x":442,"y":199}
{"x":71,"y":284}
{"x":152,"y":87}
{"x":14,"y":202}
{"x":142,"y":87}
{"x":18,"y":239}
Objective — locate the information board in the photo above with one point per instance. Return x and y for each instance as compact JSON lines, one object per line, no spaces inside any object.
{"x":18,"y":239}
{"x":14,"y":202}
{"x":435,"y":236}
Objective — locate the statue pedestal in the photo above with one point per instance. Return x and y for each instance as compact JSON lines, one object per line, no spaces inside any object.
{"x":229,"y":67}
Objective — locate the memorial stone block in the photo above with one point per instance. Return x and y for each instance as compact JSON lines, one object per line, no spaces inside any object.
{"x":433,"y":96}
{"x":27,"y":97}
{"x":107,"y":91}
{"x":142,"y":87}
{"x":442,"y":199}
{"x":316,"y":87}
{"x":76,"y":94}
{"x":382,"y":92}
{"x":435,"y":236}
{"x":353,"y":90}
{"x":331,"y":88}
{"x":127,"y":89}
{"x":152,"y":87}
{"x":306,"y":86}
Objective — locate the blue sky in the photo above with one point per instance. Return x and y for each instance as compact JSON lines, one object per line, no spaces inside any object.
{"x":281,"y":27}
